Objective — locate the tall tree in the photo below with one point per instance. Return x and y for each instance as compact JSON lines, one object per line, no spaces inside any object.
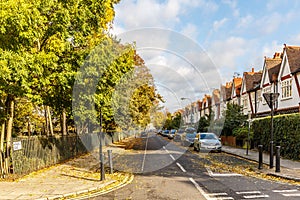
{"x":233,"y":118}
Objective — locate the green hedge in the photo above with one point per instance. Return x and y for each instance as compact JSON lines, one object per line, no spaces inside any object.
{"x":286,"y":134}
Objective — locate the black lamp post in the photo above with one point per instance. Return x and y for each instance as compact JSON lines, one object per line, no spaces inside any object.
{"x":270,"y":99}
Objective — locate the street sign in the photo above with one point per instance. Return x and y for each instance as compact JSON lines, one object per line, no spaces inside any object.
{"x":270,"y":98}
{"x":17,"y":145}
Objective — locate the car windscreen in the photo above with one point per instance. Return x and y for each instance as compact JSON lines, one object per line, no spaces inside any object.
{"x":190,"y":135}
{"x":208,"y":136}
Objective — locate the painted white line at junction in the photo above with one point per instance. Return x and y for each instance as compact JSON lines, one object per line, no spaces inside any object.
{"x":204,"y":194}
{"x":179,"y":165}
{"x":210,"y":173}
{"x":282,"y":191}
{"x":249,"y":192}
{"x":292,"y":195}
{"x":256,"y":196}
{"x":217,"y":194}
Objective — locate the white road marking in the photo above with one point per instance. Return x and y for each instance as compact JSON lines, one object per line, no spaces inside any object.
{"x":217,"y":194}
{"x":172,"y":157}
{"x":256,"y":196}
{"x":200,"y":189}
{"x":249,"y":192}
{"x":210,"y":173}
{"x":179,"y":165}
{"x":292,"y":195}
{"x":293,"y":190}
{"x":166,"y":149}
{"x":143,"y":164}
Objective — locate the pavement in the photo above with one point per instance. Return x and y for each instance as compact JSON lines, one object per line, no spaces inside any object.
{"x":81,"y":177}
{"x":289,"y":169}
{"x":72,"y":179}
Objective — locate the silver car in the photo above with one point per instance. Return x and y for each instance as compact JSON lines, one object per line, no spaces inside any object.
{"x":207,"y":142}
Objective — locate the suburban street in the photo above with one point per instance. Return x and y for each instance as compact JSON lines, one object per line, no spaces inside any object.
{"x":186,"y":175}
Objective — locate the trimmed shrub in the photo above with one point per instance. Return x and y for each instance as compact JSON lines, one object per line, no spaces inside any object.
{"x":286,"y":134}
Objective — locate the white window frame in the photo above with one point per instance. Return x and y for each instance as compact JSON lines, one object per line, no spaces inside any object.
{"x":286,"y":89}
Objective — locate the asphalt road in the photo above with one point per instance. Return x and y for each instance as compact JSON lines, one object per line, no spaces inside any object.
{"x":165,"y":170}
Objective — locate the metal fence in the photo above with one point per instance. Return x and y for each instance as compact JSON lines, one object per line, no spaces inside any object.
{"x":34,"y":153}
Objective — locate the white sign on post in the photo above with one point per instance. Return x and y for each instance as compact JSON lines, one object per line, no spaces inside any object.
{"x":17,"y":145}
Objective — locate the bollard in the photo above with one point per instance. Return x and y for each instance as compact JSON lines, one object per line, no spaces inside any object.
{"x":277,"y":169}
{"x":271,"y":155}
{"x":111,"y":170}
{"x":260,"y":156}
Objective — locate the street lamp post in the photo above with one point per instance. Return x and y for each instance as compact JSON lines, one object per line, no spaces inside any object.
{"x":184,"y":98}
{"x":270,"y":99}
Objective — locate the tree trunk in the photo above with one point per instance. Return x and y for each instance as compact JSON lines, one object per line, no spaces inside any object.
{"x":50,"y":121}
{"x":2,"y":149}
{"x":64,"y":123}
{"x":46,"y":127}
{"x":10,"y":107}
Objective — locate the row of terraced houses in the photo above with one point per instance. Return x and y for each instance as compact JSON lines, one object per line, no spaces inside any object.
{"x":279,"y":74}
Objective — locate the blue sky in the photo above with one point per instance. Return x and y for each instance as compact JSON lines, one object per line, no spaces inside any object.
{"x":235,"y":35}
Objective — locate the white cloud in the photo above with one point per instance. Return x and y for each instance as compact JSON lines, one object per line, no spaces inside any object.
{"x":268,"y":49}
{"x":224,"y":53}
{"x":269,"y":23}
{"x":233,"y":5}
{"x":190,"y":30}
{"x":218,"y":24}
{"x":295,"y":39}
{"x":245,"y":22}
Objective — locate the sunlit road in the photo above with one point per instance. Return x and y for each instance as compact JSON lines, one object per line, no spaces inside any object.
{"x":165,"y":170}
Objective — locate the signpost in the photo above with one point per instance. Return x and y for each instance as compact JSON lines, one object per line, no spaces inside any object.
{"x":271,"y":99}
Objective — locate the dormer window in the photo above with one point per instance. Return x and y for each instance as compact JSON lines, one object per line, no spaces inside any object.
{"x":286,"y":89}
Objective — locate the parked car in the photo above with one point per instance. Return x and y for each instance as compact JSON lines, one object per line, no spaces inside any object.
{"x":165,"y":133}
{"x":159,"y":131}
{"x":207,"y":142}
{"x":188,"y":136}
{"x":171,"y":133}
{"x":178,"y":135}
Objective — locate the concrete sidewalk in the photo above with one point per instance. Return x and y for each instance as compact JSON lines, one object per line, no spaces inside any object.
{"x":289,"y":169}
{"x":75,"y":177}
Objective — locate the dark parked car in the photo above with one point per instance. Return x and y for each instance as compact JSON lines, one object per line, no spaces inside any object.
{"x":165,"y":133}
{"x":178,"y":135}
{"x":171,"y":133}
{"x":188,"y":137}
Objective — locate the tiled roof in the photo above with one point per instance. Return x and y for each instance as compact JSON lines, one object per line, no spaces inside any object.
{"x":226,"y":91}
{"x":216,"y":96}
{"x":293,"y":54}
{"x":252,"y":79}
{"x":273,"y":67}
{"x":237,"y":84}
